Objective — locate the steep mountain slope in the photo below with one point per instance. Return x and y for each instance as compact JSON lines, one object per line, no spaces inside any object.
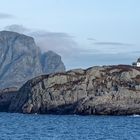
{"x":21,"y":59}
{"x":51,"y":62}
{"x":113,"y":90}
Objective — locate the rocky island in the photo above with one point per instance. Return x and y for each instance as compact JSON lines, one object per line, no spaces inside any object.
{"x":106,"y":90}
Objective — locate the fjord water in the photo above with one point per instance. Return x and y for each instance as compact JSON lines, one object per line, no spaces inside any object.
{"x":68,"y":127}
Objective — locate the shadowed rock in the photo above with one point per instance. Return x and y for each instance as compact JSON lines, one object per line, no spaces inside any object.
{"x":6,"y":96}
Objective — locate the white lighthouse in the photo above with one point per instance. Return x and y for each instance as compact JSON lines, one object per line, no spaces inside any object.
{"x":138,"y":62}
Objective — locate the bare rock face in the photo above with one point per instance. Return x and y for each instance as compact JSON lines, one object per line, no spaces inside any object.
{"x":113,"y":90}
{"x":6,"y":96}
{"x":20,"y":60}
{"x":51,"y":62}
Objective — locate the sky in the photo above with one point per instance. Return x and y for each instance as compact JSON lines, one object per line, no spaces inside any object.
{"x":84,"y":32}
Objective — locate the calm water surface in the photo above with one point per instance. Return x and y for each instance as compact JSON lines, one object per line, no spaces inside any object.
{"x":56,"y":127}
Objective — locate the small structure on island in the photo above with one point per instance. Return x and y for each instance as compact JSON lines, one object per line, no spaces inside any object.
{"x":136,"y":64}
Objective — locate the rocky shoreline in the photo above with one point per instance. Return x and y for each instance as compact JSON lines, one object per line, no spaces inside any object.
{"x":107,"y":90}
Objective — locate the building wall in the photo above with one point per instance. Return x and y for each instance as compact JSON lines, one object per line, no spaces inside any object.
{"x":138,"y":64}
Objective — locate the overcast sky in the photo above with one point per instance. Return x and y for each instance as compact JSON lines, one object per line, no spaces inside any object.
{"x":83,"y":32}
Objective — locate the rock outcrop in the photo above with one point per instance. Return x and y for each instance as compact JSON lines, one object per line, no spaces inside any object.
{"x":6,"y":97}
{"x":21,"y":60}
{"x":113,"y":90}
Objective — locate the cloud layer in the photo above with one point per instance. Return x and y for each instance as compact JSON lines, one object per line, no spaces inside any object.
{"x":5,"y":16}
{"x":91,"y":39}
{"x":60,"y":42}
{"x":75,"y":55}
{"x":113,"y":44}
{"x":17,"y":28}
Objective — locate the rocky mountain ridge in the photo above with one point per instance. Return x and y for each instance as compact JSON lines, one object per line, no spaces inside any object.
{"x":107,"y":90}
{"x":21,"y":60}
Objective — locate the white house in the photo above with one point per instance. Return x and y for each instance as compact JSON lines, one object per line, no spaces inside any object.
{"x":138,"y":62}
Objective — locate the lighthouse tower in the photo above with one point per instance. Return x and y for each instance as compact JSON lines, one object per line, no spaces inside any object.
{"x":138,"y":62}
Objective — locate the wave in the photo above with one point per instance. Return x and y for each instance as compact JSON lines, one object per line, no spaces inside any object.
{"x":135,"y":115}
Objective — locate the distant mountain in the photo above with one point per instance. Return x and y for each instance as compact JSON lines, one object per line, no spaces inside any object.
{"x":51,"y":62}
{"x":21,"y":59}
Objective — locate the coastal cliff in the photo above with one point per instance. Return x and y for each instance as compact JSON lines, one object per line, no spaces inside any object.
{"x":107,"y":90}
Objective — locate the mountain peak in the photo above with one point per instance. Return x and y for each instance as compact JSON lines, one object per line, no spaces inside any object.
{"x":20,"y":59}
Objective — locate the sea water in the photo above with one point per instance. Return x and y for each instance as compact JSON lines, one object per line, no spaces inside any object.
{"x":14,"y":126}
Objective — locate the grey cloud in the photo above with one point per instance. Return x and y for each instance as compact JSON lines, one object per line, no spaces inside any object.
{"x":91,"y":39}
{"x":17,"y":28}
{"x":60,"y":42}
{"x":135,"y":52}
{"x":5,"y":16}
{"x":113,"y":44}
{"x":72,"y":54}
{"x":51,"y":34}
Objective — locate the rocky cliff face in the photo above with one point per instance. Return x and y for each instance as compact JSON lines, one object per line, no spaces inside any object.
{"x":6,"y":97}
{"x":21,"y":59}
{"x":113,"y":90}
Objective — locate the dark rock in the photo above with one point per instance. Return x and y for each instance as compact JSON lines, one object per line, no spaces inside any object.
{"x":6,"y":96}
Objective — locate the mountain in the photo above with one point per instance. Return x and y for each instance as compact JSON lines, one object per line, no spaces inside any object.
{"x":21,"y":60}
{"x":107,"y":90}
{"x":51,"y":62}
